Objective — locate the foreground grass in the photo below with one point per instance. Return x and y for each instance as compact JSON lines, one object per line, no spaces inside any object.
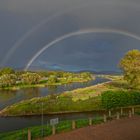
{"x":36,"y":132}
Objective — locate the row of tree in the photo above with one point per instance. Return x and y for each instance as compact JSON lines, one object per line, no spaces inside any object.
{"x":14,"y":79}
{"x":9,"y":77}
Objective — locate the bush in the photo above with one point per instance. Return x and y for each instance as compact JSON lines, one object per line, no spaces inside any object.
{"x":52,"y":79}
{"x":30,"y":78}
{"x":115,"y":99}
{"x":8,"y":80}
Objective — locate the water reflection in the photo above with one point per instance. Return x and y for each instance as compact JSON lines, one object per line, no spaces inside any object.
{"x":16,"y":123}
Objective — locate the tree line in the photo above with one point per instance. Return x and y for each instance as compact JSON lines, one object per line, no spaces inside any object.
{"x":10,"y":77}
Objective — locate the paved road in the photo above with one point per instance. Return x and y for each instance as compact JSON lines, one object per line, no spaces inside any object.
{"x":124,"y":129}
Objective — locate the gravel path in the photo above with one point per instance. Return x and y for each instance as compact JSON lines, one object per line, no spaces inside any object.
{"x":124,"y":129}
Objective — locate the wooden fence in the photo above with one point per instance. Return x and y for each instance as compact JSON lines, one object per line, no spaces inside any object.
{"x":124,"y":111}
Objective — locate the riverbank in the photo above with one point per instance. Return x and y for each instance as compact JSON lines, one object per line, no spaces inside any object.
{"x":24,"y":86}
{"x":79,"y":100}
{"x":51,"y":105}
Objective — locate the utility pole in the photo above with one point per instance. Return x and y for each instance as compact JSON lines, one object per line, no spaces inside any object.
{"x":42,"y":119}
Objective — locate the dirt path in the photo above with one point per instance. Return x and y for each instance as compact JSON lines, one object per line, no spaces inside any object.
{"x":125,"y":129}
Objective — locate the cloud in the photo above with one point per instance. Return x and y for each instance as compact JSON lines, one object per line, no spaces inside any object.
{"x":19,"y":17}
{"x":100,"y":53}
{"x":53,"y":66}
{"x":38,"y":6}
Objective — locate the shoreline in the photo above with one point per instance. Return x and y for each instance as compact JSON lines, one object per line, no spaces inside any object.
{"x":53,"y":113}
{"x":43,"y":85}
{"x":19,"y":87}
{"x":69,"y":112}
{"x":61,"y":95}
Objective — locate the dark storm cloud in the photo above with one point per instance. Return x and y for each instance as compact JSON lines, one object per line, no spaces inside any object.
{"x":90,"y":52}
{"x":17,"y":17}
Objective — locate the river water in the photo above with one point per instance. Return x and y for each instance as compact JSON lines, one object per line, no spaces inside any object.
{"x":9,"y":97}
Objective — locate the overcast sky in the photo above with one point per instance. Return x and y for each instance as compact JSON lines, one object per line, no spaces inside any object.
{"x":26,"y":26}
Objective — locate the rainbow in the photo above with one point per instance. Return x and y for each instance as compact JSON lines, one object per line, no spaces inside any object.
{"x":77,"y":33}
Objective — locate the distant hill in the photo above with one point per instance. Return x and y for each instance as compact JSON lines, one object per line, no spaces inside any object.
{"x":36,"y":68}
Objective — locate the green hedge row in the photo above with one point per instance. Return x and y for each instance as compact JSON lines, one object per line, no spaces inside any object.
{"x":115,"y":99}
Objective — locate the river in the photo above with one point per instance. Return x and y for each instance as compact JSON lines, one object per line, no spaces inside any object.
{"x":9,"y":97}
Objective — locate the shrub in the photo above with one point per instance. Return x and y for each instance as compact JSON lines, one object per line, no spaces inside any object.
{"x":30,"y":78}
{"x":8,"y":80}
{"x":115,"y":99}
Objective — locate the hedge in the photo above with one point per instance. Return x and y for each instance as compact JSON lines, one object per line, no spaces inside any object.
{"x":115,"y":99}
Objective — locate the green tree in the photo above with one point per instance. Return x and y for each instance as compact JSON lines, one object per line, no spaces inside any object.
{"x":8,"y":80}
{"x":130,"y":66}
{"x":52,"y":79}
{"x":86,"y":75}
{"x":6,"y":71}
{"x":30,"y":78}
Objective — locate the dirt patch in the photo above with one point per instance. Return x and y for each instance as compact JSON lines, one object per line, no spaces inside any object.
{"x":124,"y":129}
